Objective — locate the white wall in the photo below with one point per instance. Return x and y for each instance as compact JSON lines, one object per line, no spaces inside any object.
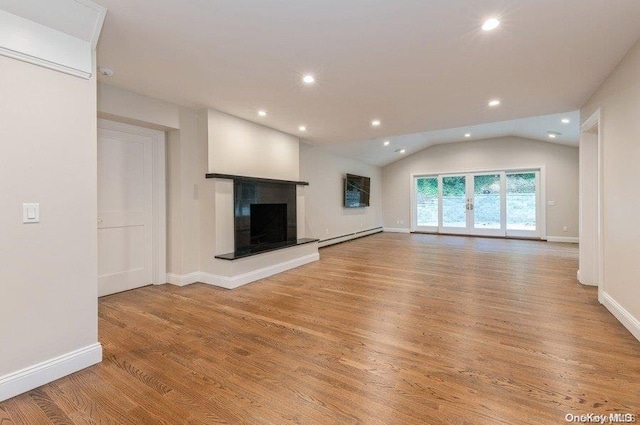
{"x":619,"y":100}
{"x":132,"y":108}
{"x":244,"y":148}
{"x":49,"y":270}
{"x":326,"y":216}
{"x":561,"y":165}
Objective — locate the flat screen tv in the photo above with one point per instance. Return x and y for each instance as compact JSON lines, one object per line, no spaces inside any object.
{"x":356,"y":191}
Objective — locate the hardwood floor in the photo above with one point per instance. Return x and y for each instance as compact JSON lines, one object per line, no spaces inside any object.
{"x":387,"y":329}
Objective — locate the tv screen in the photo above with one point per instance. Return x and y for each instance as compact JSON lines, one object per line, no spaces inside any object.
{"x":356,"y":191}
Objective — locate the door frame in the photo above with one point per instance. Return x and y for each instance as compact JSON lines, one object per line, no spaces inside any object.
{"x":542,"y":190}
{"x":158,"y":195}
{"x":592,"y":126}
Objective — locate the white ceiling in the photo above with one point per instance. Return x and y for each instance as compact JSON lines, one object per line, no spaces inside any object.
{"x":417,"y":65}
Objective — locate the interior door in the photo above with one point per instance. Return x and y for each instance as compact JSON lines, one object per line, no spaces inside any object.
{"x":124,"y":211}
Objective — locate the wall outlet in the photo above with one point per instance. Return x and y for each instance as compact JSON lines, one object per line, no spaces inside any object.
{"x":564,"y":229}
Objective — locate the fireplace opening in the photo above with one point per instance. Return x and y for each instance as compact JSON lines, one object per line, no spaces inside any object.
{"x":268,"y":224}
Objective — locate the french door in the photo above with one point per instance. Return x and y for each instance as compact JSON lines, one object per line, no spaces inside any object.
{"x":502,"y":203}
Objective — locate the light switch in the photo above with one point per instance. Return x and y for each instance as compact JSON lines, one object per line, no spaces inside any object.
{"x":31,"y":213}
{"x":551,"y":203}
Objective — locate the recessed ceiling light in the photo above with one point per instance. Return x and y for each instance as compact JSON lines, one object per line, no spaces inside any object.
{"x":494,"y":103}
{"x":386,"y":142}
{"x":553,"y":134}
{"x":375,"y":123}
{"x":401,"y":150}
{"x":106,"y":71}
{"x":566,"y":120}
{"x":308,"y":79}
{"x":302,"y":128}
{"x":467,"y":135}
{"x":262,"y":113}
{"x":490,"y":24}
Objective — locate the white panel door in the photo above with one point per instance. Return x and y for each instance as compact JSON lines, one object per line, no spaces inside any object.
{"x":125,"y":211}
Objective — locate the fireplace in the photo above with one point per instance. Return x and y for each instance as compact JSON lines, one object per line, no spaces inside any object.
{"x":264,"y":215}
{"x":268,"y":223}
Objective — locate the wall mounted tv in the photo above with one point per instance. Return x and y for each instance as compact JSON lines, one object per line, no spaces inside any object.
{"x":356,"y":191}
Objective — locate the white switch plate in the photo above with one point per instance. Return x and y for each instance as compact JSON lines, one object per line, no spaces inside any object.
{"x":551,"y":203}
{"x":31,"y":213}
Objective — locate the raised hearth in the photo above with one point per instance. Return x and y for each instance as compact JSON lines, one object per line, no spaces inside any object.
{"x":249,"y":252}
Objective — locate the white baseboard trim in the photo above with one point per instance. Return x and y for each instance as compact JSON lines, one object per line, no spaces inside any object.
{"x":396,"y":230}
{"x":626,"y":318}
{"x":243,"y":279}
{"x":183,"y":279}
{"x":236,"y":281}
{"x":348,"y":237}
{"x":42,"y":373}
{"x":564,"y":239}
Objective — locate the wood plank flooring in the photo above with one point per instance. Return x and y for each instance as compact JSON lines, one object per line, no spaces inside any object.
{"x":387,"y":329}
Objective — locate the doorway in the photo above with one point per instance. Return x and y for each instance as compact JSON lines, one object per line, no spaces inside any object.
{"x":494,"y":203}
{"x":590,"y":270}
{"x":131,"y":207}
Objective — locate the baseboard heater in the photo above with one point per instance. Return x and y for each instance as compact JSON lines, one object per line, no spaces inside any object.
{"x":352,"y":236}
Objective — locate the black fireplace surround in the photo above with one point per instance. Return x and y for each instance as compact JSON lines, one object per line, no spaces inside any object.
{"x":265,"y":216}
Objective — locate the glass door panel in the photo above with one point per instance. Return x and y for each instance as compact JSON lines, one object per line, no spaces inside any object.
{"x":522,"y":204}
{"x":486,"y":201}
{"x":427,"y":204}
{"x":454,"y":204}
